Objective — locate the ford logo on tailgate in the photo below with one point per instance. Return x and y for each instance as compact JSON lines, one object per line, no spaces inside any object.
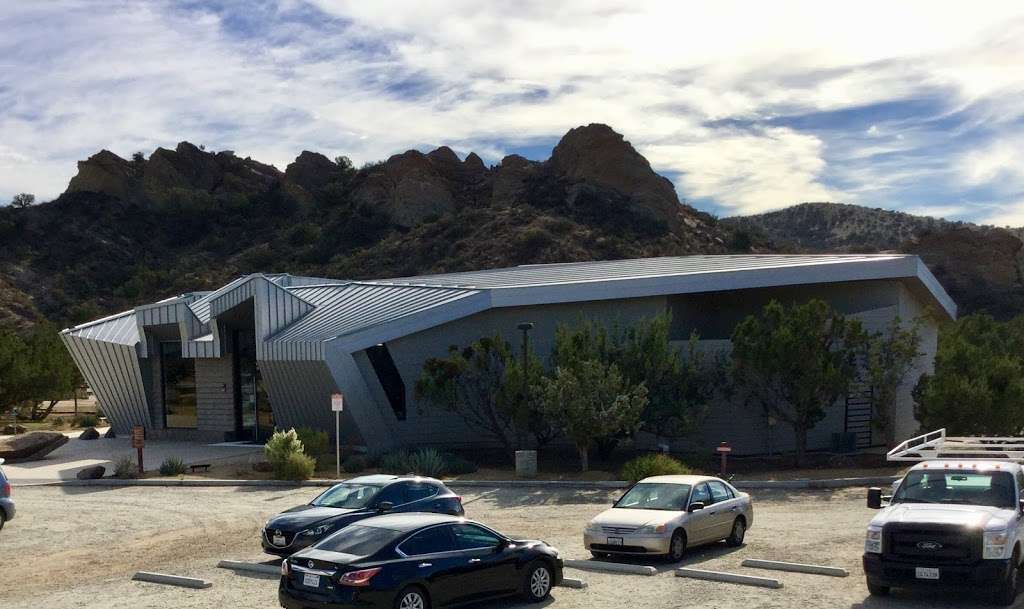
{"x":929,"y":546}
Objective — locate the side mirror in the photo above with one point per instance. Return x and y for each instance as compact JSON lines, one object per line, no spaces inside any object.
{"x":875,"y":498}
{"x":696,"y":505}
{"x":502,"y":544}
{"x":384,"y":506}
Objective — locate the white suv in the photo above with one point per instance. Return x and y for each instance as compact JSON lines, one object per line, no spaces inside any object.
{"x":950,"y":522}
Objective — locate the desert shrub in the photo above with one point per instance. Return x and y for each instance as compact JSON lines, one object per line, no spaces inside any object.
{"x":296,"y":466}
{"x":124,"y":467}
{"x":355,"y":463}
{"x":314,"y":442}
{"x":172,"y":466}
{"x":58,"y":422}
{"x":455,"y":465}
{"x":427,"y":462}
{"x":394,"y":462}
{"x":282,"y":444}
{"x":655,"y":464}
{"x":86,"y":420}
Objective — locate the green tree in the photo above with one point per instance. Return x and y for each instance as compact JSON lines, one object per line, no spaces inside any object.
{"x":592,"y":400}
{"x":889,"y":356}
{"x":794,"y":362}
{"x":14,"y":364}
{"x":23,"y":200}
{"x":978,"y":384}
{"x":36,"y":370}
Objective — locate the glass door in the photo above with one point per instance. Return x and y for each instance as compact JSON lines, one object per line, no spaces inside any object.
{"x":254,"y":418}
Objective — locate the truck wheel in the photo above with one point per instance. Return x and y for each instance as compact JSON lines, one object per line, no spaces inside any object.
{"x":877,"y":589}
{"x":1006,"y":593}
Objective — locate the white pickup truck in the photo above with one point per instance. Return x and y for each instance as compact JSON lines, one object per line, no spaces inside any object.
{"x":956,"y":519}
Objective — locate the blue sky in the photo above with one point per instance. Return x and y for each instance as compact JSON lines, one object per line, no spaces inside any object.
{"x":746,"y":107}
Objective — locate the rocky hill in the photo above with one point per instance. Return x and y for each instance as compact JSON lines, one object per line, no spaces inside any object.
{"x":131,"y":231}
{"x":982,"y":267}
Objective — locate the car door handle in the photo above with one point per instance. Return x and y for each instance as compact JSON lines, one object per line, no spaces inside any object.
{"x":472,"y":560}
{"x":424,"y":565}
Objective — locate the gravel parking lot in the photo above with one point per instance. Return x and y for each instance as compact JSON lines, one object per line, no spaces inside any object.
{"x":77,"y":547}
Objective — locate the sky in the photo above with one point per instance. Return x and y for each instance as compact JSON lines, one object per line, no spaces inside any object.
{"x":746,"y":106}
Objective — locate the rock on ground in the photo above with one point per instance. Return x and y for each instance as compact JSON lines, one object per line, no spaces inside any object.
{"x":31,"y":446}
{"x":91,"y":473}
{"x":89,"y":434}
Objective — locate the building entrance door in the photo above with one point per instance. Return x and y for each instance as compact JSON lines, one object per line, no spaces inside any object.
{"x":254,"y":417}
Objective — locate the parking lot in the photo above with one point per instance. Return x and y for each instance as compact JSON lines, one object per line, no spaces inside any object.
{"x":78,"y":547}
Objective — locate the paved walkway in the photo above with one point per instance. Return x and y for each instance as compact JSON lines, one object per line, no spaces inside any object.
{"x":65,"y":462}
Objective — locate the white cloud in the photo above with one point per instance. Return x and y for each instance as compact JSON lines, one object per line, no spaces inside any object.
{"x":78,"y":76}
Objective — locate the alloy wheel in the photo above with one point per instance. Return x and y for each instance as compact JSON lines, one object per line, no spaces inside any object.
{"x":412,"y":600}
{"x":540,"y":582}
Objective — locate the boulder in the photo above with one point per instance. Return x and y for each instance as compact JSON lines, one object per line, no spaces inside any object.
{"x":105,"y":173}
{"x":89,"y":434}
{"x":312,"y":171}
{"x":91,"y":473}
{"x":31,"y":446}
{"x":10,"y":430}
{"x":110,"y":433}
{"x":410,"y":187}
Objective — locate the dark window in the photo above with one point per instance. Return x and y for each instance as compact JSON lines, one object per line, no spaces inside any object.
{"x":701,"y":495}
{"x":429,"y":541}
{"x":393,"y":494}
{"x":178,"y":379}
{"x":348,"y":496}
{"x":387,"y":373}
{"x":359,"y":540}
{"x":417,"y":490}
{"x":718,"y":492}
{"x":470,"y":537}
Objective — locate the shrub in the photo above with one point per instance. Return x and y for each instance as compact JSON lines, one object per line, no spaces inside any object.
{"x":282,"y":444}
{"x":396,"y":462}
{"x":314,"y":442}
{"x":58,"y":422}
{"x":86,"y":420}
{"x":296,"y":466}
{"x":172,"y":466}
{"x":355,"y":463}
{"x":124,"y":467}
{"x":427,"y":462}
{"x":655,"y":464}
{"x":455,"y":465}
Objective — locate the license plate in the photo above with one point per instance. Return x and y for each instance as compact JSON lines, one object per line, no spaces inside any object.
{"x":310,"y":580}
{"x":926,"y":573}
{"x":615,"y":541}
{"x":278,"y":540}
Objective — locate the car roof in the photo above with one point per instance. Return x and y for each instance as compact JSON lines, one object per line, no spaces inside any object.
{"x":679,"y":479}
{"x":385,"y":479}
{"x":982,"y":465}
{"x":409,"y":521}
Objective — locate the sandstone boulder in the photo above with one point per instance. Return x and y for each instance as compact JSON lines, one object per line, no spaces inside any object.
{"x":110,"y":433}
{"x":89,"y":434}
{"x":31,"y":446}
{"x":410,"y":188}
{"x":312,"y":171}
{"x":10,"y":430}
{"x":104,"y":173}
{"x":91,"y":473}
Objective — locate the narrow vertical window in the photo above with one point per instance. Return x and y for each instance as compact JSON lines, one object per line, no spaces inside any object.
{"x":178,"y":379}
{"x":387,"y":373}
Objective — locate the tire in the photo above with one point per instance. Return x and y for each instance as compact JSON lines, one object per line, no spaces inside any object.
{"x":538,"y":581}
{"x":877,"y":589}
{"x":1007,"y":590}
{"x":677,"y":546}
{"x":739,"y":531}
{"x":412,"y":597}
{"x":3,"y":519}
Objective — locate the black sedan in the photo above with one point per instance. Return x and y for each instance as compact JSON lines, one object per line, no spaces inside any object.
{"x":354,"y":500}
{"x":416,"y":561}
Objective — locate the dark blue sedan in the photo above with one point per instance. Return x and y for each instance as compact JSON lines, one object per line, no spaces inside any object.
{"x":354,"y":500}
{"x":416,"y":561}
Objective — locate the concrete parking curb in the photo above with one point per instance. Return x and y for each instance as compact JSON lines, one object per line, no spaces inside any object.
{"x":730,"y":578}
{"x":569,"y":582}
{"x":612,"y":567}
{"x":171,"y":580}
{"x":251,"y":567}
{"x":832,"y":483}
{"x":794,"y":567}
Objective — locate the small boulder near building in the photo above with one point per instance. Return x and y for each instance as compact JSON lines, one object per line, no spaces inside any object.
{"x":31,"y":446}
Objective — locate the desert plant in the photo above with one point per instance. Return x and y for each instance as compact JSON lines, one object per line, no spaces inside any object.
{"x":355,"y":463}
{"x":455,"y":465}
{"x":655,"y":464}
{"x":282,"y":444}
{"x":124,"y":467}
{"x":314,"y":442}
{"x":296,"y":466}
{"x":394,"y":462}
{"x":57,"y":422}
{"x":86,"y":420}
{"x":172,"y":466}
{"x":426,"y":462}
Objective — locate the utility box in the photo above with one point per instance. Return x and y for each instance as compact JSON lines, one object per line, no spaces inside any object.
{"x":526,"y":464}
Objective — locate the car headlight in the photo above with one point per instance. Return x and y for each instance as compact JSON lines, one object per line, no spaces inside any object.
{"x":593,"y":527}
{"x":873,"y":540}
{"x":996,"y":545}
{"x":316,"y":531}
{"x":648,"y":529}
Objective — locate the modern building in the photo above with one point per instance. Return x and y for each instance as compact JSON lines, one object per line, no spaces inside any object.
{"x":268,"y":350}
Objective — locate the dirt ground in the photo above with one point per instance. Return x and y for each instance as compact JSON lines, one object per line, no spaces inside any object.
{"x":78,"y":547}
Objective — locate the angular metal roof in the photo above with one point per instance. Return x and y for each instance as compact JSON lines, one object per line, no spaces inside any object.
{"x":120,"y":329}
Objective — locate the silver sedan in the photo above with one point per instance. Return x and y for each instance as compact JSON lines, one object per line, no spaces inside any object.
{"x":664,"y":515}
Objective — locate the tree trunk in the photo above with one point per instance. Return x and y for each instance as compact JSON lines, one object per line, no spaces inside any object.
{"x":800,"y":433}
{"x":584,"y":458}
{"x":38,"y":413}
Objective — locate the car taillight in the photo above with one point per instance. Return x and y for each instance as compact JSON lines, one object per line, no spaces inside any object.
{"x":5,"y":490}
{"x":459,"y":499}
{"x":359,"y":578}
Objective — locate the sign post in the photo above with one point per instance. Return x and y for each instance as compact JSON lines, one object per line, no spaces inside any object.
{"x":139,"y":441}
{"x":337,"y":404}
{"x":723,"y":449}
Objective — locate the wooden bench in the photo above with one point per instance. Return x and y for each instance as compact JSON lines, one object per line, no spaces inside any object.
{"x":204,"y":467}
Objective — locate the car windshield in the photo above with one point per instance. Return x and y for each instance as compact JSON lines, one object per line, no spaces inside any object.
{"x":993,"y":489}
{"x":655,"y":496}
{"x":358,"y":540}
{"x":347,"y":495}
